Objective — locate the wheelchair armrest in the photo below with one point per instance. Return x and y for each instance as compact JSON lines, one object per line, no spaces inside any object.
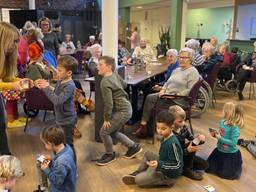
{"x":171,"y":96}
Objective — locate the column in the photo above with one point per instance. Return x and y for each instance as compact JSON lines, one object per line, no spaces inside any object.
{"x":234,"y":27}
{"x":176,"y":23}
{"x":184,"y":23}
{"x":124,"y":21}
{"x":32,"y":4}
{"x":109,"y":27}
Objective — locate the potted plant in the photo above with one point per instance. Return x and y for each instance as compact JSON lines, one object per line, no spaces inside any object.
{"x":164,"y":36}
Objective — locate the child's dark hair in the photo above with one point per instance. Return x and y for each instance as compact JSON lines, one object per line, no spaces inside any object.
{"x":110,"y":61}
{"x":53,"y":135}
{"x":68,"y":62}
{"x":165,"y":117}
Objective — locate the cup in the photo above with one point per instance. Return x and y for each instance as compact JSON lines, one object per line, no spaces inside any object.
{"x":25,"y":84}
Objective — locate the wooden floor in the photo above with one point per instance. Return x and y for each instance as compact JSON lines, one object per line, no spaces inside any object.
{"x":92,"y":178}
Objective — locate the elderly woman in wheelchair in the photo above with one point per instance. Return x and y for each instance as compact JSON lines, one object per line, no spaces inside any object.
{"x":180,"y":83}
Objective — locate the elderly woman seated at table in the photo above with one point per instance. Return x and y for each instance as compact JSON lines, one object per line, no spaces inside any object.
{"x":173,"y":63}
{"x":180,"y":83}
{"x":124,"y":57}
{"x":195,"y":45}
{"x":211,"y":58}
{"x":67,"y":46}
{"x":95,"y":51}
{"x":144,"y":52}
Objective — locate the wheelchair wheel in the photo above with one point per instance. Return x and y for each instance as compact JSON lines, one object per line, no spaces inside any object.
{"x":207,"y":88}
{"x":201,"y":103}
{"x":231,"y":85}
{"x":30,"y":112}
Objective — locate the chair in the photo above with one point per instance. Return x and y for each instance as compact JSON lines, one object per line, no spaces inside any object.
{"x":252,"y":80}
{"x":189,"y":100}
{"x":36,"y":100}
{"x":211,"y":79}
{"x":79,"y":57}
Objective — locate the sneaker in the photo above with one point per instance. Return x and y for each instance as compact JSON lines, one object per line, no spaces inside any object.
{"x":106,"y":159}
{"x":130,"y":179}
{"x":193,"y":175}
{"x":133,"y":151}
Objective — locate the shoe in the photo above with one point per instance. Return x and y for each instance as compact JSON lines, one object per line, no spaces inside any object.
{"x":76,"y":133}
{"x":130,"y":179}
{"x":192,"y":174}
{"x":106,"y":159}
{"x":243,"y":143}
{"x":240,"y":96}
{"x":133,"y":151}
{"x":141,"y":131}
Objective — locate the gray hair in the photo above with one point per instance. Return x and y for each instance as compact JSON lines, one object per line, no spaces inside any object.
{"x":93,"y":48}
{"x":193,"y":44}
{"x":190,"y":52}
{"x":172,"y":52}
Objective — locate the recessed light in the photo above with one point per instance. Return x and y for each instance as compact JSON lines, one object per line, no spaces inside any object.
{"x":139,"y":7}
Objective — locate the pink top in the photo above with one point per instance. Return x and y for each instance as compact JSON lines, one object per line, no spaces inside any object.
{"x":23,"y":51}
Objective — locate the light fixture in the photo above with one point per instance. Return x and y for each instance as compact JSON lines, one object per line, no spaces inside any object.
{"x":139,"y":7}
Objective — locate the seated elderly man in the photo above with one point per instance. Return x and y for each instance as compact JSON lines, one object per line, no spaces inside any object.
{"x":180,"y":83}
{"x":195,"y":45}
{"x":211,"y":58}
{"x":144,"y":51}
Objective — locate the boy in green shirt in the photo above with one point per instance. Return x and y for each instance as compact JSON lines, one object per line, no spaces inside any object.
{"x":162,"y":170}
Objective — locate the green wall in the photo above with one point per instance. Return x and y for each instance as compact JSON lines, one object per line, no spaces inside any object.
{"x":213,"y":22}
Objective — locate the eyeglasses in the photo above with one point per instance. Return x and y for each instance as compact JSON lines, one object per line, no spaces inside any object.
{"x":184,"y":58}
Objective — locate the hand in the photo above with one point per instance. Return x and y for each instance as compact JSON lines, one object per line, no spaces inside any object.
{"x":192,"y":149}
{"x":41,"y":83}
{"x":106,"y":125}
{"x":44,"y":165}
{"x":157,"y":88}
{"x":80,"y":99}
{"x":16,"y":85}
{"x":161,"y":93}
{"x":201,"y":138}
{"x":152,"y":163}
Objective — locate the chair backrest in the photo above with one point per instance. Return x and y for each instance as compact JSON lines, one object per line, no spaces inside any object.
{"x":36,"y":99}
{"x":194,"y":91}
{"x":212,"y":76}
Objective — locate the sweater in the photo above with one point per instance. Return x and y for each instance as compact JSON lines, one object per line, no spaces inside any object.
{"x":169,"y":71}
{"x":181,"y":81}
{"x":114,"y":96}
{"x":37,"y":71}
{"x":227,"y":143}
{"x":62,"y":98}
{"x":170,"y":157}
{"x":62,"y":172}
{"x":51,"y":43}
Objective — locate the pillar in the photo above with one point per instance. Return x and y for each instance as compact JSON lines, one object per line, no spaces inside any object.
{"x":32,"y":4}
{"x":184,"y":23}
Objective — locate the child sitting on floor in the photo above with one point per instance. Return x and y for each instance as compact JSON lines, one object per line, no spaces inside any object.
{"x":226,"y":160}
{"x":165,"y":168}
{"x":192,"y":162}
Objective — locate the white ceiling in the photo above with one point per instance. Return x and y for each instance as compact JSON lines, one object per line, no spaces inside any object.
{"x":192,"y":4}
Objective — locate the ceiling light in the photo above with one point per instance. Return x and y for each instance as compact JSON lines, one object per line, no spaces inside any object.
{"x":139,"y":7}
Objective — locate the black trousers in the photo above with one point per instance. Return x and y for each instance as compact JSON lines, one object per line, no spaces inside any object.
{"x":4,"y":148}
{"x":193,"y":162}
{"x":243,"y":76}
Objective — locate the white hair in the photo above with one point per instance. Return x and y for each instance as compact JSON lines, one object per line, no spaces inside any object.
{"x":92,"y":37}
{"x":93,"y":48}
{"x":190,"y":52}
{"x":172,"y":52}
{"x":193,"y":44}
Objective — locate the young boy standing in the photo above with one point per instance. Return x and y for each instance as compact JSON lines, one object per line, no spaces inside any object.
{"x":162,"y":170}
{"x":61,"y":170}
{"x":192,"y":163}
{"x":62,"y":96}
{"x":117,"y":111}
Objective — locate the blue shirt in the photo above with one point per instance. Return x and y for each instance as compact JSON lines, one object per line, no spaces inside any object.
{"x":169,"y":71}
{"x":227,"y":143}
{"x":62,"y":172}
